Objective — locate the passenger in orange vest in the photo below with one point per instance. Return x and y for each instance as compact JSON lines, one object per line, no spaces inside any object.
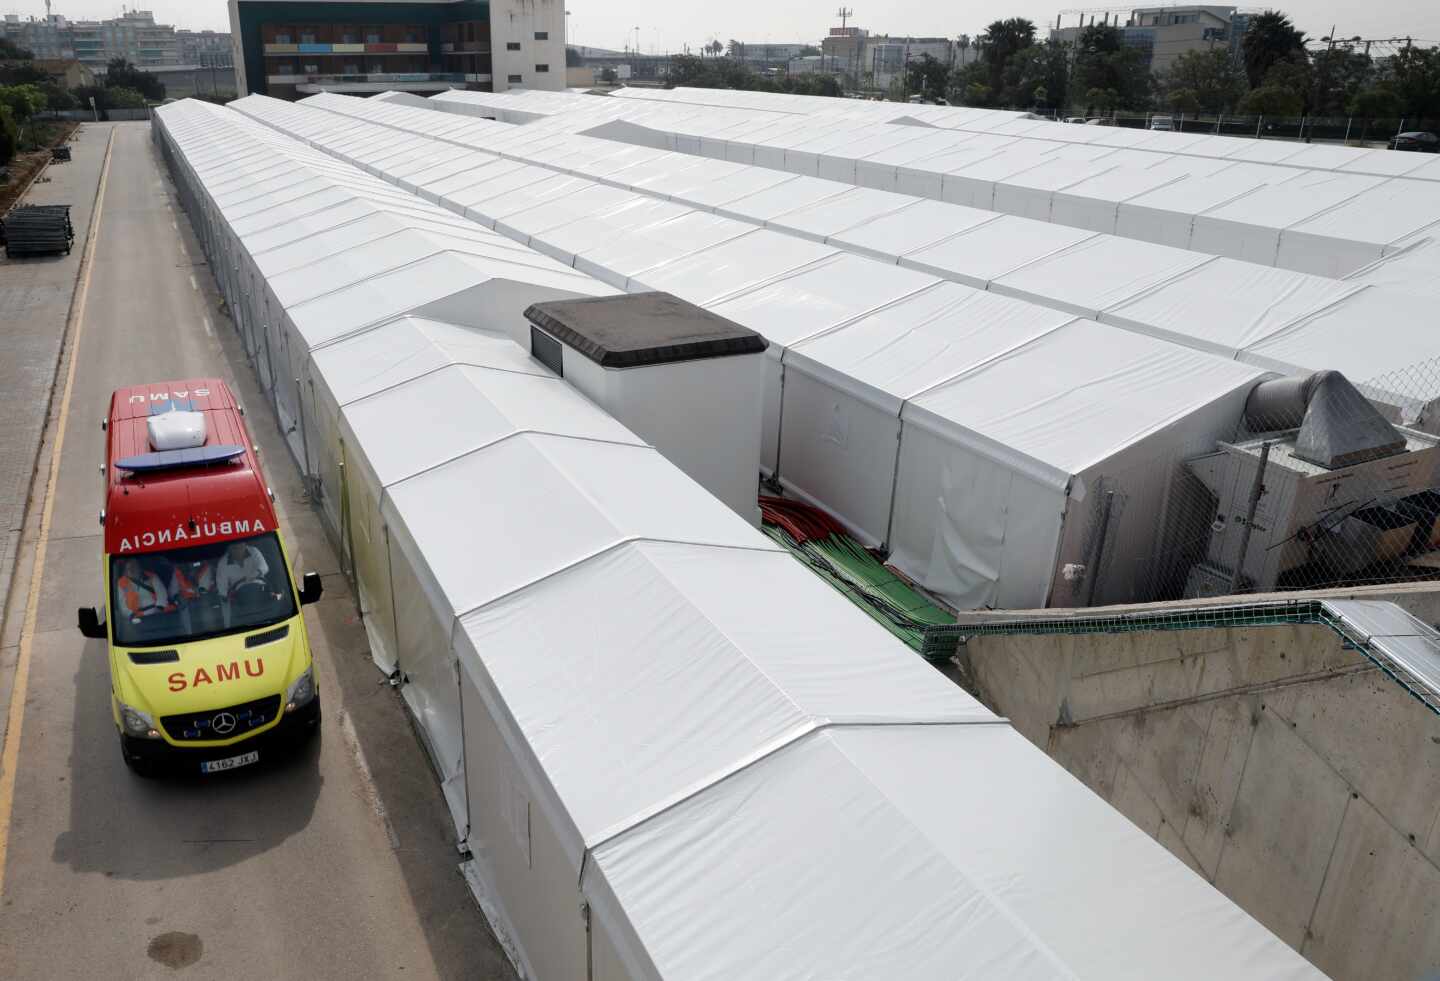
{"x":191,"y":580}
{"x":140,"y":592}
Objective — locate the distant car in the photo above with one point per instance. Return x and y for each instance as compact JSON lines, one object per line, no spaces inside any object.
{"x":1423,"y":142}
{"x":1163,"y":123}
{"x":1077,"y":120}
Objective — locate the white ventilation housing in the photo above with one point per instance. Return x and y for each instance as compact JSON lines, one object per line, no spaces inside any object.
{"x":178,"y":429}
{"x":683,"y":379}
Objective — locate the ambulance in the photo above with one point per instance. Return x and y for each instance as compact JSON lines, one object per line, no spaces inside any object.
{"x":210,"y":666}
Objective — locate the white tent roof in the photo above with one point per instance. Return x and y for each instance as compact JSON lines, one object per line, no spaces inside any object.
{"x":966,"y":876}
{"x":410,"y":347}
{"x":821,"y":297}
{"x":1077,"y":396}
{"x":1227,"y":306}
{"x":1097,"y":273}
{"x":545,"y":503}
{"x":1410,"y":267}
{"x":459,"y":409}
{"x":643,"y":675}
{"x":921,"y":341}
{"x":989,"y":250}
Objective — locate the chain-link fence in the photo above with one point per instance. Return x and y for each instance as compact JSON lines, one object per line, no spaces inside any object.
{"x":1352,"y":130}
{"x":1320,"y":484}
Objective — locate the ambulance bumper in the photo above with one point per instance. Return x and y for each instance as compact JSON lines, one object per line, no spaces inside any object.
{"x":294,"y":730}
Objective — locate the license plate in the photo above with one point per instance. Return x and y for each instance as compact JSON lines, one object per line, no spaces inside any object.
{"x":230,"y":763}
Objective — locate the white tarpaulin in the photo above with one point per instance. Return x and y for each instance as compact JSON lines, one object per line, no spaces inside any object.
{"x":642,"y":708}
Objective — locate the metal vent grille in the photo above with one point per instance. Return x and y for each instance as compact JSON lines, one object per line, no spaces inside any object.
{"x":547,"y":350}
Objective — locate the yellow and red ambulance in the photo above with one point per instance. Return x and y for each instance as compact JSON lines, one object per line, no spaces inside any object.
{"x":210,"y":665}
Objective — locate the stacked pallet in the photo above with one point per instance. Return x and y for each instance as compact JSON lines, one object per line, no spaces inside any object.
{"x":37,"y":230}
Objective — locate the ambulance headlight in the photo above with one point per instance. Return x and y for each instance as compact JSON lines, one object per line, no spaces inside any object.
{"x":137,"y":724}
{"x":302,"y":690}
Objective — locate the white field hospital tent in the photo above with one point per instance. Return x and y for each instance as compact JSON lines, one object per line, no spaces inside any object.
{"x":1211,"y":303}
{"x":676,"y":753}
{"x":788,"y":286}
{"x":1328,"y":220}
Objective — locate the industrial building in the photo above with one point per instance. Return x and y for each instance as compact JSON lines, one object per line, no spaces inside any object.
{"x":566,"y":688}
{"x":292,"y":48}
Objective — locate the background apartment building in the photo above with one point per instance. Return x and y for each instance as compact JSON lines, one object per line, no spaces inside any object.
{"x":294,"y":48}
{"x":1165,"y":33}
{"x":873,"y":61}
{"x":94,"y":43}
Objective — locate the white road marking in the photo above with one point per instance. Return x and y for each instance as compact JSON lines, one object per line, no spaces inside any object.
{"x":194,"y":285}
{"x":206,"y":321}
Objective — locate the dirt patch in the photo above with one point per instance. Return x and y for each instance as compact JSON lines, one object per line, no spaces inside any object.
{"x":26,"y":165}
{"x":175,"y":950}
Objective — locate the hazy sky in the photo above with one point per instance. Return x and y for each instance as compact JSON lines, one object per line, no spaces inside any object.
{"x":666,"y":24}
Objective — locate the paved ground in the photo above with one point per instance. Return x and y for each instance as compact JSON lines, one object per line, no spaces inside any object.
{"x":34,"y":303}
{"x":337,"y":864}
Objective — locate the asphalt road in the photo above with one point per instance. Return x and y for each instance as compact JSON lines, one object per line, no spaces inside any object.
{"x":338,"y":863}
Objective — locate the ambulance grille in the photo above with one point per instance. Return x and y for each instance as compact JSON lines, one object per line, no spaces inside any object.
{"x":222,"y":723}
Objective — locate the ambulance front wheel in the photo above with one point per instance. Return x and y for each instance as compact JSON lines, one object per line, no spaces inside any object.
{"x":140,"y":766}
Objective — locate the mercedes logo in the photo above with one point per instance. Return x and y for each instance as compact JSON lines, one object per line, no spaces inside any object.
{"x":224,"y":723}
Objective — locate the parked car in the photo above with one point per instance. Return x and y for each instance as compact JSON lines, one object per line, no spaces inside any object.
{"x":1423,"y":142}
{"x":1077,"y":120}
{"x":1100,"y":121}
{"x":1162,"y":123}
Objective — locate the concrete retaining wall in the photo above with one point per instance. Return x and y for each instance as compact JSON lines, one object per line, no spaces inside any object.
{"x":1288,"y":771}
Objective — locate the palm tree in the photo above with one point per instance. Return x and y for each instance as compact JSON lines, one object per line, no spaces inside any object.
{"x":1000,"y":42}
{"x":1270,"y":38}
{"x":963,"y":43}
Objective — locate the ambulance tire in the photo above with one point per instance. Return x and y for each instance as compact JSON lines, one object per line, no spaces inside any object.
{"x":141,"y":767}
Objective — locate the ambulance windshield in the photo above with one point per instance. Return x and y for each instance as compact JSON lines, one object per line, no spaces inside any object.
{"x":187,"y":594}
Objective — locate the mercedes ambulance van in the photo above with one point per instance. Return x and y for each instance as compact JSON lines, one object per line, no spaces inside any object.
{"x":209,"y":661}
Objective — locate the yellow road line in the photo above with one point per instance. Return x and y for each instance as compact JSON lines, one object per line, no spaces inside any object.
{"x":10,"y":759}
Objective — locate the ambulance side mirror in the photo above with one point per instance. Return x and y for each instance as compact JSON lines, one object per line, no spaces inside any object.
{"x":311,"y":588}
{"x":89,"y":622}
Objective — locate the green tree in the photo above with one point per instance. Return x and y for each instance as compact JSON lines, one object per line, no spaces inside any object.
{"x":9,"y":136}
{"x":23,"y":101}
{"x":10,"y":51}
{"x":57,"y":98}
{"x":1037,"y":76}
{"x":1273,"y":100}
{"x":1269,"y":38}
{"x":122,"y":98}
{"x":1339,"y":74}
{"x":1211,"y":77}
{"x":121,"y":74}
{"x":1105,"y":63}
{"x":1183,"y":100}
{"x":1375,"y":102}
{"x":970,"y":86}
{"x":1000,"y":42}
{"x":1413,"y":74}
{"x":927,"y":78}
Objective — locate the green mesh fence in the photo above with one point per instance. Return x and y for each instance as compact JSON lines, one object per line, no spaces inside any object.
{"x":1229,"y":616}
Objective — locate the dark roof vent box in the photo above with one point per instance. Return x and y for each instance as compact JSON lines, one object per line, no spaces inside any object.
{"x":637,"y":330}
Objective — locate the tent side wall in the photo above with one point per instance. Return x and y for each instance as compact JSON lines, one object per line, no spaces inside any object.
{"x":971,"y":529}
{"x":839,"y":448}
{"x":1151,"y":516}
{"x":520,"y":857}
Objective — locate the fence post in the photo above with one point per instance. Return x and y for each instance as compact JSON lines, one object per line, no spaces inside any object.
{"x":1348,"y":121}
{"x":1219,"y":116}
{"x":1256,"y":489}
{"x":1400,"y":129}
{"x":1260,"y":119}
